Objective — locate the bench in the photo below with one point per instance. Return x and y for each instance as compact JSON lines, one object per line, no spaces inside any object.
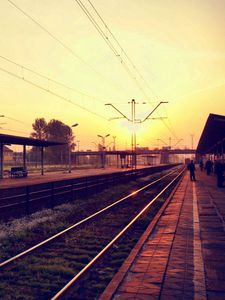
{"x":17,"y":172}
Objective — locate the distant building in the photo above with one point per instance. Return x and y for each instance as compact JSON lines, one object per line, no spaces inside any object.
{"x":166,"y":148}
{"x":142,"y":149}
{"x":8,"y":154}
{"x":18,"y":157}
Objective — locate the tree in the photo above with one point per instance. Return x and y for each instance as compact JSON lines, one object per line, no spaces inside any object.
{"x":40,"y":129}
{"x":54,"y":130}
{"x":40,"y":132}
{"x":58,"y":131}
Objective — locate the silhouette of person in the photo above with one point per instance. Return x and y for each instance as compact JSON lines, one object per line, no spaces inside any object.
{"x":219,"y":168}
{"x":201,"y":165}
{"x":191,"y":168}
{"x":208,"y":167}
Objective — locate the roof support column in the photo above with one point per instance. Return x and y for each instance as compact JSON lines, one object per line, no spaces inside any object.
{"x":42,"y":160}
{"x":1,"y":160}
{"x":222,"y":150}
{"x":24,"y":157}
{"x":69,"y":158}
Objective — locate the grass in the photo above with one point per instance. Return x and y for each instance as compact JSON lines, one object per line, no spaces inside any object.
{"x":53,"y":270}
{"x":19,"y":234}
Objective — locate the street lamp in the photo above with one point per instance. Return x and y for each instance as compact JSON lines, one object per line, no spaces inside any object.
{"x":69,"y":146}
{"x":103,"y":139}
{"x":103,"y":148}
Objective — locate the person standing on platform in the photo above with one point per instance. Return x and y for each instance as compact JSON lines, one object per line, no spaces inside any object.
{"x":208,"y":167}
{"x":191,"y":168}
{"x":219,"y":168}
{"x":201,"y":165}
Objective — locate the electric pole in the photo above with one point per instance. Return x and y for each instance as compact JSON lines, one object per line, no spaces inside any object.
{"x":133,"y":120}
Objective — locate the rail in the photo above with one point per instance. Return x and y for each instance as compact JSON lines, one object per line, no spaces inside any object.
{"x":65,"y":290}
{"x":59,"y":234}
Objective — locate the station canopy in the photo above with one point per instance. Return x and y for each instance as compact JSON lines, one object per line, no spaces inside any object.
{"x":213,"y":134}
{"x":18,"y":140}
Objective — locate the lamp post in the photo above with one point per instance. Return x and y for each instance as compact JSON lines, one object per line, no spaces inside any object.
{"x":2,"y":116}
{"x":78,"y":146}
{"x":103,"y":148}
{"x":192,"y":141}
{"x":114,"y":143}
{"x":69,"y":149}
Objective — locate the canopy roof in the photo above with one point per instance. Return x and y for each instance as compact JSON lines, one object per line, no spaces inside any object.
{"x":19,"y":140}
{"x":213,"y":133}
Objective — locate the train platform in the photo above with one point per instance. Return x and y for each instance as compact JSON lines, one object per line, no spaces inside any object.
{"x":35,"y":178}
{"x":182,"y":253}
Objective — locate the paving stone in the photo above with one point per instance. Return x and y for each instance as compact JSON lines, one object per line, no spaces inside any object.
{"x":184,"y":258}
{"x":215,"y":295}
{"x":133,"y":296}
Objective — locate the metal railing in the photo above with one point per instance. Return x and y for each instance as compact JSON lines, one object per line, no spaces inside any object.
{"x":15,"y":202}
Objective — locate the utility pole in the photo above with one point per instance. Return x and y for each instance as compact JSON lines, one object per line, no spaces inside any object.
{"x":114,"y":143}
{"x":192,"y":141}
{"x":170,"y":139}
{"x":103,"y":149}
{"x":133,"y":120}
{"x":133,"y":136}
{"x":78,"y":146}
{"x":2,"y":116}
{"x":69,"y":150}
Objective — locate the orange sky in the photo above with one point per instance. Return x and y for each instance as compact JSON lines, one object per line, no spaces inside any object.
{"x":177,"y":46}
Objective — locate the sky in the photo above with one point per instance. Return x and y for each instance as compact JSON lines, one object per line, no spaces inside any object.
{"x":55,"y":64}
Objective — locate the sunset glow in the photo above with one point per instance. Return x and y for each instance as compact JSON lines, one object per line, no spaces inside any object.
{"x":177,"y":50}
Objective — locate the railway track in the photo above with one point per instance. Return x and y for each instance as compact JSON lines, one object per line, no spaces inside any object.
{"x":25,"y":200}
{"x":41,"y":270}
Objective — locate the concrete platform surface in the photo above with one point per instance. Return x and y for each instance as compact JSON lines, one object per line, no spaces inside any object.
{"x":183,"y":256}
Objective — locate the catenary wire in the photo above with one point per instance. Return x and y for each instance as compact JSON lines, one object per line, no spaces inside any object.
{"x":111,"y":46}
{"x":66,"y":47}
{"x":122,"y":50}
{"x":51,"y":92}
{"x":106,"y":39}
{"x":50,"y":79}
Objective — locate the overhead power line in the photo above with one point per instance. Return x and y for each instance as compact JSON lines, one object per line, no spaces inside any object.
{"x":119,"y":54}
{"x":50,"y":79}
{"x":15,"y":120}
{"x":66,"y":47}
{"x":50,"y":92}
{"x":48,"y":32}
{"x":122,"y":50}
{"x":119,"y":51}
{"x":114,"y":48}
{"x":7,"y":129}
